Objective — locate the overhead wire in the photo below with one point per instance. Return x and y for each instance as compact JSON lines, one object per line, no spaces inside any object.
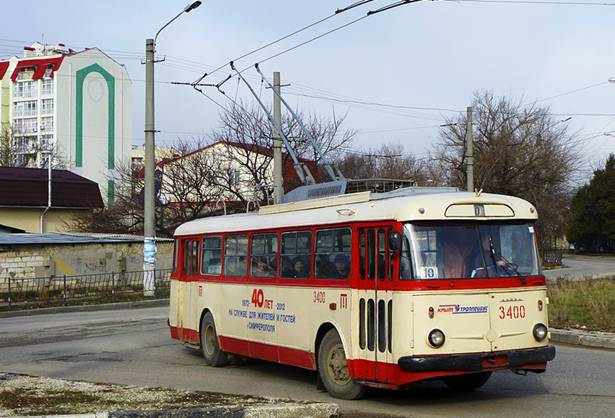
{"x":566,"y":93}
{"x":293,"y":33}
{"x":540,"y":2}
{"x":372,"y":103}
{"x":330,"y":31}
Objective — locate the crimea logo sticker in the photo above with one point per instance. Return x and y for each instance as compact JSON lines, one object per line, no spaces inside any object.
{"x":459,"y":309}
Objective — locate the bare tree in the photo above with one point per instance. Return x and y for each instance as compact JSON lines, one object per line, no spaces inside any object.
{"x":519,"y":150}
{"x":8,"y":150}
{"x":386,"y":161}
{"x":250,"y":135}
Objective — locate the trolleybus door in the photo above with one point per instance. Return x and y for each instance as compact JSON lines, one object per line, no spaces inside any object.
{"x":375,"y":303}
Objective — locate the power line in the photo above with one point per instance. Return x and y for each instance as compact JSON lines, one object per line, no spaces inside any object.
{"x":398,"y":129}
{"x":295,"y":32}
{"x":365,"y":102}
{"x":555,"y":2}
{"x":337,"y":28}
{"x":345,"y":25}
{"x":566,"y":93}
{"x":600,"y":115}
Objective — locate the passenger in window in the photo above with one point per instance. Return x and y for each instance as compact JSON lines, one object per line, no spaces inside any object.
{"x":295,"y":268}
{"x":341,"y":266}
{"x":262,"y":268}
{"x":300,"y":269}
{"x":231,"y":267}
{"x":214,"y":267}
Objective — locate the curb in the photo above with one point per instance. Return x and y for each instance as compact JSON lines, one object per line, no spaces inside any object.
{"x":316,"y":410}
{"x":596,"y":339}
{"x":87,"y":308}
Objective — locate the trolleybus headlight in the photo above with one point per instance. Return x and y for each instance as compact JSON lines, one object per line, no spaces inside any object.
{"x":540,"y":332}
{"x":436,"y":338}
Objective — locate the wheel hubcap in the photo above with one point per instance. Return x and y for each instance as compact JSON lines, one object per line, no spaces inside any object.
{"x":210,"y":340}
{"x":337,"y":366}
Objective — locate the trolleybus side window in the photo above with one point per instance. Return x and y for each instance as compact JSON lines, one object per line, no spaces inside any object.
{"x":191,"y":257}
{"x":263,"y":254}
{"x":405,"y":260}
{"x":296,"y":254}
{"x":383,"y":259}
{"x":236,"y":255}
{"x":175,"y":255}
{"x":371,"y":260}
{"x":362,"y":253}
{"x":375,"y":258}
{"x":333,"y":250}
{"x":211,"y":263}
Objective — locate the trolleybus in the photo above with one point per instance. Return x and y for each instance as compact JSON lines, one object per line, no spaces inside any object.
{"x":368,"y":289}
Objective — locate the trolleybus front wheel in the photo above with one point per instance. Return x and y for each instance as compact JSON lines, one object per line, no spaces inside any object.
{"x":333,"y":369}
{"x":210,"y":348}
{"x":467,"y":382}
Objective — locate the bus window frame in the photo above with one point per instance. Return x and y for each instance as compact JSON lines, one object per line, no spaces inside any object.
{"x":351,"y":261}
{"x":391,"y":280}
{"x":174,"y":266}
{"x":184,"y":273}
{"x":460,"y":280}
{"x":202,"y":239}
{"x":310,"y":281}
{"x":263,"y":280}
{"x":239,"y":278}
{"x":301,"y":280}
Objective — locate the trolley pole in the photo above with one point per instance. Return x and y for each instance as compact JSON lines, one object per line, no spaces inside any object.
{"x":278,"y":186}
{"x":469,"y":151}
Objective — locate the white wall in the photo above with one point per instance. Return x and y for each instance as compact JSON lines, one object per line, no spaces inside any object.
{"x":95,"y":115}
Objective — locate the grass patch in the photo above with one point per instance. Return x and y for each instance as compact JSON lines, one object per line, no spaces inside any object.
{"x":587,"y":303}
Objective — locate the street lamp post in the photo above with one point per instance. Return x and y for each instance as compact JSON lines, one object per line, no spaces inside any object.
{"x":149,"y":203}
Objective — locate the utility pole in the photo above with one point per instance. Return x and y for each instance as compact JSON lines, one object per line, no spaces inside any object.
{"x":278,"y":186}
{"x":149,"y":205}
{"x":149,"y":197}
{"x":469,"y":151}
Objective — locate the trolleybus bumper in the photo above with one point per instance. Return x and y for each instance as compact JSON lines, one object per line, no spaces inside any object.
{"x":477,"y":362}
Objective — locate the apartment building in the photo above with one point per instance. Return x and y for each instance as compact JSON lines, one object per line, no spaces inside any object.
{"x":75,"y":106}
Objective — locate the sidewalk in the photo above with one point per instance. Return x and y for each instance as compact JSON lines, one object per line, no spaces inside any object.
{"x":594,"y":339}
{"x":87,"y":308}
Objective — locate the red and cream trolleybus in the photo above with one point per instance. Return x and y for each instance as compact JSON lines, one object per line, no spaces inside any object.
{"x":369,"y":289}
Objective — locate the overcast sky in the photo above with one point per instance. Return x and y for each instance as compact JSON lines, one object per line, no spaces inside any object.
{"x":427,"y":54}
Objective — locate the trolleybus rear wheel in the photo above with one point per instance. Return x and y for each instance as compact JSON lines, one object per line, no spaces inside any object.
{"x":210,"y":348}
{"x":333,"y":369}
{"x":467,"y":382}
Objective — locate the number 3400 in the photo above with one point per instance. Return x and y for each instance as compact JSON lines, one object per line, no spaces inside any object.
{"x":511,"y":312}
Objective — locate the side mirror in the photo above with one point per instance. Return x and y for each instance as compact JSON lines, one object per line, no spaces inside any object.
{"x":394,"y":241}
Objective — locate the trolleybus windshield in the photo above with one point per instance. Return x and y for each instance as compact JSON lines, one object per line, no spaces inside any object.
{"x":468,"y":250}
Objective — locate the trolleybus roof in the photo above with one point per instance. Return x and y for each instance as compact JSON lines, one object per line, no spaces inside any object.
{"x":421,"y":204}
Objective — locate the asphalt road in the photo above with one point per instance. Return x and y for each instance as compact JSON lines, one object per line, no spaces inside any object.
{"x":133,"y":347}
{"x":579,"y":266}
